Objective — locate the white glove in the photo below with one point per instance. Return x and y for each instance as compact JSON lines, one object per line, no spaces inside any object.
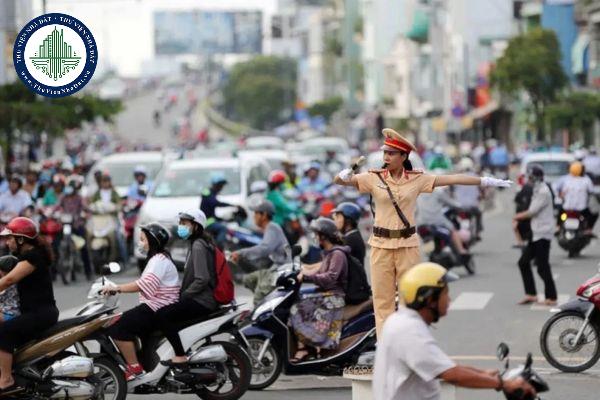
{"x":487,"y":181}
{"x":346,"y":174}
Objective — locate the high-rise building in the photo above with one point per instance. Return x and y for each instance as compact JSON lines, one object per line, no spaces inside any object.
{"x":14,"y":14}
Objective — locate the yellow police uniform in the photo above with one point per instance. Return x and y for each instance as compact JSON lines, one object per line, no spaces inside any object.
{"x":392,"y":256}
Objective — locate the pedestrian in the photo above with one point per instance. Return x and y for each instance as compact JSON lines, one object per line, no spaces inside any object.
{"x":394,"y":189}
{"x":409,"y":361}
{"x":541,"y":214}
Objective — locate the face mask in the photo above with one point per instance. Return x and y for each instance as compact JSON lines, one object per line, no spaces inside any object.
{"x":69,"y":190}
{"x":142,"y":250}
{"x":183,"y":232}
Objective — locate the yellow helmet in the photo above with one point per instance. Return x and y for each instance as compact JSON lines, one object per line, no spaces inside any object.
{"x":576,"y":169}
{"x":423,"y":281}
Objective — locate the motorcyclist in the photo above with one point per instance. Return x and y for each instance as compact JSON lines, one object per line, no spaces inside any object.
{"x":209,"y":202}
{"x":292,"y":179}
{"x":409,"y":361}
{"x":591,"y":163}
{"x":284,"y":210}
{"x":15,"y":200}
{"x":139,"y":188}
{"x":468,"y":196}
{"x":346,"y":216}
{"x":53,"y":193}
{"x":312,"y":181}
{"x":32,"y":184}
{"x":575,"y":190}
{"x":431,"y":208}
{"x":439,"y":160}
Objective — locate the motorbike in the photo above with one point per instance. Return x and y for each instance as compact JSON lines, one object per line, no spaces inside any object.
{"x":46,"y":369}
{"x":102,"y":227}
{"x":465,"y":224}
{"x":271,"y":344}
{"x":131,"y":210}
{"x":442,"y":252}
{"x":69,"y":247}
{"x":570,"y":339}
{"x":216,"y":369}
{"x":525,"y":371}
{"x":571,"y":234}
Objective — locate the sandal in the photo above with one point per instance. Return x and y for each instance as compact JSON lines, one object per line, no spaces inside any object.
{"x":527,"y":300}
{"x":300,"y":356}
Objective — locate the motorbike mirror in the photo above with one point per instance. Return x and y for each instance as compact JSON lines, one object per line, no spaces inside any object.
{"x":528,"y":361}
{"x":112,"y":268}
{"x":502,"y":351}
{"x":296,"y":250}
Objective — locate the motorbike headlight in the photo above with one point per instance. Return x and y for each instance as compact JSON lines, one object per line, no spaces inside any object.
{"x":268,"y":305}
{"x":589,"y":291}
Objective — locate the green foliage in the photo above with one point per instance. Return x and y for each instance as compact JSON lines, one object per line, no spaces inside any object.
{"x":261,"y":90}
{"x":326,"y":108}
{"x":574,"y":111}
{"x":531,"y":63}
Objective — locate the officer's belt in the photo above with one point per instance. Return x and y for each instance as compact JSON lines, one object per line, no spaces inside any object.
{"x":394,"y":234}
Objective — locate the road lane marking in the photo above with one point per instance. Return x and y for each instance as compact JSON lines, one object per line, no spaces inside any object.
{"x":562,"y":299}
{"x":471,"y":301}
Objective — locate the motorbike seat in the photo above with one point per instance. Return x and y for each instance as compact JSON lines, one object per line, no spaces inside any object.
{"x":354,"y":310}
{"x":185,"y":324}
{"x":65,"y":324}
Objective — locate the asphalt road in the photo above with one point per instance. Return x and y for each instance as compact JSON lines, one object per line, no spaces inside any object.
{"x":483,"y":313}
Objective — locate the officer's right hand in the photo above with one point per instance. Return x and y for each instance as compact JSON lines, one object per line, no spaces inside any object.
{"x":346,"y":174}
{"x":519,"y":384}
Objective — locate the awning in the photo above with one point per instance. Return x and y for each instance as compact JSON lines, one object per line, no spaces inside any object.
{"x":579,"y":54}
{"x":419,"y":31}
{"x":482,"y":111}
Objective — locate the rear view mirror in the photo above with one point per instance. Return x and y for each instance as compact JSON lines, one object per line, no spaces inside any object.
{"x":296,"y":250}
{"x":502,"y":351}
{"x":114,"y":267}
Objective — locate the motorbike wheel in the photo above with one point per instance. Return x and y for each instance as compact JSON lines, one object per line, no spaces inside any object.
{"x":66,"y":264}
{"x":115,"y":385}
{"x":556,"y":342}
{"x":238,"y":372}
{"x":266,"y":371}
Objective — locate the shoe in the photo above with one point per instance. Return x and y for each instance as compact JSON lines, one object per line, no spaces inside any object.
{"x":133,"y":371}
{"x":527,"y":300}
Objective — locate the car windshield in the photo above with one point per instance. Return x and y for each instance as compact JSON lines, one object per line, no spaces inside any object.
{"x":552,"y":167}
{"x":122,"y":172}
{"x":184,"y":182}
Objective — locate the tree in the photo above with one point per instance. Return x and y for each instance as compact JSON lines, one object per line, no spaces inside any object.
{"x":575,"y":112}
{"x":259,"y":92}
{"x":531,"y":63}
{"x":326,"y":108}
{"x":23,"y":111}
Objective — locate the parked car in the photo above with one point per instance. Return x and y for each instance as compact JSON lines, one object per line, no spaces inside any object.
{"x":120,"y":166}
{"x":554,"y":165}
{"x":179,"y":186}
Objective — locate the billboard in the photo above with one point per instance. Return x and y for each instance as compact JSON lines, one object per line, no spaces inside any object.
{"x":207,"y":32}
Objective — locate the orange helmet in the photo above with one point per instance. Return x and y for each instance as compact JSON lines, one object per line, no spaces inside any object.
{"x":277,"y":176}
{"x":576,"y":169}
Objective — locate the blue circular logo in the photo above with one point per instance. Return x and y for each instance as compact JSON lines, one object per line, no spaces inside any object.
{"x":55,"y":55}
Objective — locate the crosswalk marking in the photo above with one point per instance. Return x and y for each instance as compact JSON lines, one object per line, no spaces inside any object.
{"x":471,"y":301}
{"x":562,"y":299}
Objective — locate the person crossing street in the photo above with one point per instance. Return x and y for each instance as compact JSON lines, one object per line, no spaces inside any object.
{"x":394,"y":189}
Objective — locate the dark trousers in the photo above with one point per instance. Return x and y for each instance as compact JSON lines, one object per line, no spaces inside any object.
{"x":171,"y":318}
{"x":540,"y":252}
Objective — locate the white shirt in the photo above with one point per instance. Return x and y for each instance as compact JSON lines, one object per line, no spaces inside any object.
{"x":575,"y":192}
{"x":408,"y":359}
{"x":592,"y":164}
{"x":14,"y":203}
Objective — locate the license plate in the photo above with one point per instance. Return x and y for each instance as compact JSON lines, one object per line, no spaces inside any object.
{"x":572,"y":223}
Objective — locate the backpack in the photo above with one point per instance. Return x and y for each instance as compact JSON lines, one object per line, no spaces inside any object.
{"x":357,"y":289}
{"x":223,"y":291}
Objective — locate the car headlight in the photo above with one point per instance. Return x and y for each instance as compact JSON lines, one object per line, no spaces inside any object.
{"x":268,"y":305}
{"x":589,"y":291}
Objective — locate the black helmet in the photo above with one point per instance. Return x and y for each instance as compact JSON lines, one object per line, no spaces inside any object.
{"x":324,"y":226}
{"x":348,"y":210}
{"x":7,"y":263}
{"x":264,"y":206}
{"x":158,"y":233}
{"x":536,"y":171}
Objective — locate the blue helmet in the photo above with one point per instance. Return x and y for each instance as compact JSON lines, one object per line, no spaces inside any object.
{"x":217,"y":177}
{"x":348,"y":210}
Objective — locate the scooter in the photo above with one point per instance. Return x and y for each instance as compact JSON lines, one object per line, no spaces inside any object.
{"x":103,"y":229}
{"x":465,"y":224}
{"x":442,"y":252}
{"x":45,"y":369}
{"x":216,"y":369}
{"x":271,"y":345}
{"x":525,"y":371}
{"x":571,"y":233}
{"x":570,"y":338}
{"x":69,"y":247}
{"x":131,"y":210}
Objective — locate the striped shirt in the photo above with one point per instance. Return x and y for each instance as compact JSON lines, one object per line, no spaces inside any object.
{"x":159,"y":283}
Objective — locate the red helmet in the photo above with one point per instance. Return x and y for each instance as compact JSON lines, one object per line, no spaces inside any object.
{"x":21,"y":226}
{"x":277,"y":176}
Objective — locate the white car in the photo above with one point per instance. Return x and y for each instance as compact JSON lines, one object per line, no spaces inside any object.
{"x":120,"y":166}
{"x":180,"y":184}
{"x":273,"y":157}
{"x":555,"y":165}
{"x":264,"y":143}
{"x":317,"y":148}
{"x":375,"y":160}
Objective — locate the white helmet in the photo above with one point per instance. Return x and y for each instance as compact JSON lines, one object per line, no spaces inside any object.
{"x":140,"y":169}
{"x":465,"y":164}
{"x":196,"y":215}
